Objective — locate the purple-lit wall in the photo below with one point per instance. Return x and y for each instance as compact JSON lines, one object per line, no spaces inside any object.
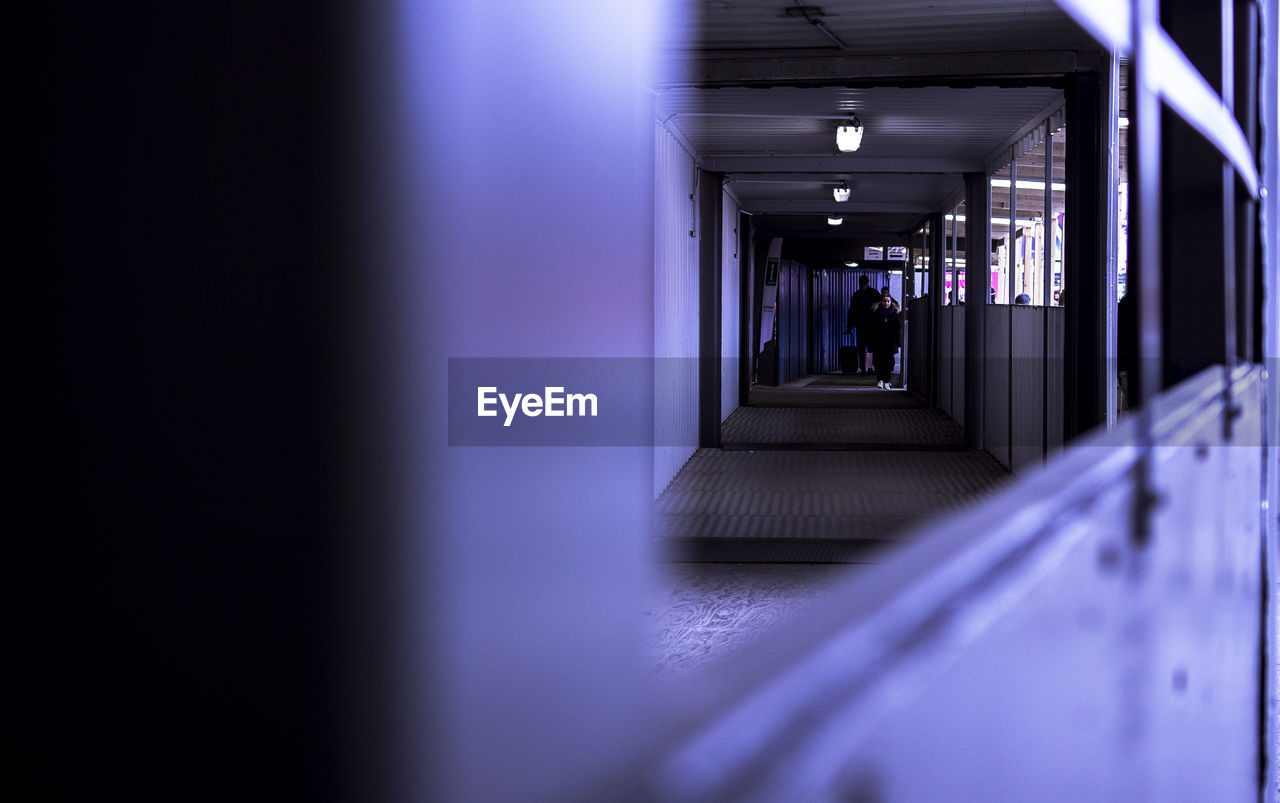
{"x":517,"y":194}
{"x":675,"y":307}
{"x":730,"y":307}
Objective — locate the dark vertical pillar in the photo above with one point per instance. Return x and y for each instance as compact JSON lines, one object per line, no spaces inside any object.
{"x":1085,"y":259}
{"x":746,"y":267}
{"x":1249,"y":286}
{"x":937,"y":271}
{"x":709,"y":307}
{"x":190,"y":472}
{"x":1047,"y":274}
{"x":1193,"y":287}
{"x":1192,"y":212}
{"x":977,"y":238}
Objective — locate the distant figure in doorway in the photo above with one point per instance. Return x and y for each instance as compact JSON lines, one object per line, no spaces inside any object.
{"x":1022,"y":299}
{"x":858,"y":320}
{"x":885,"y":338}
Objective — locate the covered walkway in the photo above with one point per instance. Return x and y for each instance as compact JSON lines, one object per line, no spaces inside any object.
{"x":818,"y":484}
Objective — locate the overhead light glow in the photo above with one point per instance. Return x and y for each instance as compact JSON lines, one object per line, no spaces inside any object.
{"x":849,"y":135}
{"x":1058,"y":186}
{"x":1124,"y":122}
{"x":851,"y":264}
{"x":841,"y":193}
{"x":835,"y":221}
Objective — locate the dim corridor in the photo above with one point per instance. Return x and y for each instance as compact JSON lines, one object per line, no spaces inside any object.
{"x":811,"y":478}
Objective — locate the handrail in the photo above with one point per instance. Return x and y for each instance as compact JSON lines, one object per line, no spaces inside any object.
{"x":871,"y":632}
{"x":1187,"y":92}
{"x":1177,"y":81}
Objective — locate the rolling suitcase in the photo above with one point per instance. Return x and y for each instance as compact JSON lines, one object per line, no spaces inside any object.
{"x":848,"y":356}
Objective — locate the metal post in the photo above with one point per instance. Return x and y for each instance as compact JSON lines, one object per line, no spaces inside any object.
{"x":1050,"y":225}
{"x":1085,"y":263}
{"x":1111,"y":171}
{"x":1012,"y":246}
{"x":955,"y":243}
{"x":937,"y":267}
{"x":978,"y":262}
{"x":1145,"y":258}
{"x":1230,"y":349}
{"x":1046,"y":286}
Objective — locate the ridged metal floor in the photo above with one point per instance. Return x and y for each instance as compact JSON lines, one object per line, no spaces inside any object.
{"x":818,"y":485}
{"x":841,"y":428}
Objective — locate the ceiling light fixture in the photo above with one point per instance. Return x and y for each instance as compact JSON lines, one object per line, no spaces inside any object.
{"x":851,"y":264}
{"x":834,"y":221}
{"x":849,"y":135}
{"x":841,"y":192}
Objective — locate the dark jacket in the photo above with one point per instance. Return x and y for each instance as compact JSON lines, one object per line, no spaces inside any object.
{"x":884,"y":329}
{"x":860,"y":311}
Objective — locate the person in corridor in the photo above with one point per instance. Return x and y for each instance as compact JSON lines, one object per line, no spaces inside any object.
{"x":859,"y":319}
{"x":885,"y":329}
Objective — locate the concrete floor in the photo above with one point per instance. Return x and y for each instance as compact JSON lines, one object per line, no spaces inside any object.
{"x":754,"y":532}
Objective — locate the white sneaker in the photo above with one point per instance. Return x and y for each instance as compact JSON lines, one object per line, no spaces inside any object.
{"x":879,"y":384}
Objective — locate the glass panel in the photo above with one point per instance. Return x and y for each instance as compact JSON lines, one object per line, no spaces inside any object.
{"x":1001,"y":249}
{"x":1029,"y":260}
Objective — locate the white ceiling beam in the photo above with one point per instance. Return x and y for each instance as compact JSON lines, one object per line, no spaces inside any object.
{"x":848,"y":164}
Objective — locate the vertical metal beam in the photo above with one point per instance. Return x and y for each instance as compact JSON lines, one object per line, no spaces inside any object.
{"x":1111,"y":186}
{"x":1085,"y":263}
{"x":1229,"y":267}
{"x":746,"y":305}
{"x":1012,"y":260}
{"x":1050,"y":225}
{"x":977,"y":202}
{"x":955,"y":243}
{"x":937,"y":267}
{"x":1249,"y":292}
{"x":710,"y":212}
{"x":1012,"y":246}
{"x":1194,"y":194}
{"x":1268,"y":344}
{"x":1046,"y":282}
{"x":1145,"y":188}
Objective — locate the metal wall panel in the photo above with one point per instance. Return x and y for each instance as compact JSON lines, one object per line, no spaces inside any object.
{"x":793,"y":321}
{"x":919,"y":375}
{"x":675,"y":310}
{"x":946,"y":317}
{"x":730,"y":306}
{"x":1027,"y":371}
{"x":832,"y":290}
{"x":995,"y":383}
{"x":1055,"y":333}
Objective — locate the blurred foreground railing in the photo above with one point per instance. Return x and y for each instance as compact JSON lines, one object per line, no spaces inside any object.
{"x":1030,"y":648}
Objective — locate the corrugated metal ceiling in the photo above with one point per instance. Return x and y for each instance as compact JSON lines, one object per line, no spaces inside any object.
{"x":899,"y":122}
{"x":877,"y":27}
{"x":918,"y":137}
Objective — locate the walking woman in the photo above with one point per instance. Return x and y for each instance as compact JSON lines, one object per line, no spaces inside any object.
{"x":886,"y":337}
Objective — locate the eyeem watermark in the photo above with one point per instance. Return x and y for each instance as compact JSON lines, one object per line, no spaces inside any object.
{"x":553,"y":403}
{"x":561,"y":401}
